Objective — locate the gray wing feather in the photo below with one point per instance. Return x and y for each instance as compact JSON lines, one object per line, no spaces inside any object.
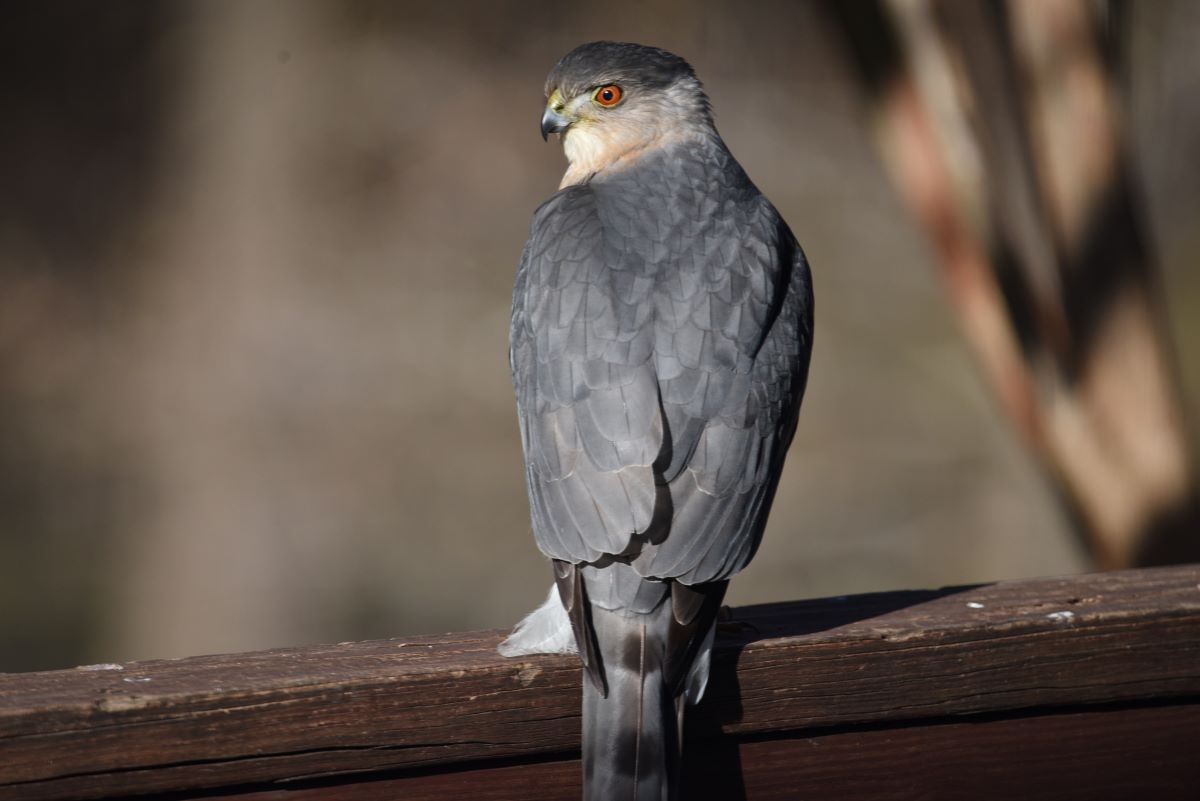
{"x":660,"y":343}
{"x":732,"y":408}
{"x":587,"y":395}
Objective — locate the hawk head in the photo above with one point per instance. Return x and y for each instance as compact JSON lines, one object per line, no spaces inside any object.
{"x":612,"y":101}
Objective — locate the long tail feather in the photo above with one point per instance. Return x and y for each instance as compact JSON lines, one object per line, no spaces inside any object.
{"x":631,"y":736}
{"x":652,"y":641}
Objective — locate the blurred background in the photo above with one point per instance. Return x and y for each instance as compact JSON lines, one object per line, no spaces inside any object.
{"x":256,"y":262}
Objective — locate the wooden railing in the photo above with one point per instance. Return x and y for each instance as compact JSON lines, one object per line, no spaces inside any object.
{"x":1085,"y":687}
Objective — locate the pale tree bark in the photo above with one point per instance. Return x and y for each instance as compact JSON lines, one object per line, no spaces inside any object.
{"x":1000,"y":126}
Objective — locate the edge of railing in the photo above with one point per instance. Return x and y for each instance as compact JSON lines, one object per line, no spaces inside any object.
{"x":436,"y":709}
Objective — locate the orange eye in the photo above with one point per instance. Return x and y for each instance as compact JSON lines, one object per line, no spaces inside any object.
{"x":608,"y":96}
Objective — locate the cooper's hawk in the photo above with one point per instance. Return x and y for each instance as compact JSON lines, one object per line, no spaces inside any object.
{"x":661,"y":332}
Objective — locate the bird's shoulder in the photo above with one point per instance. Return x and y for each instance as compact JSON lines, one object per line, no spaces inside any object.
{"x":566,"y":207}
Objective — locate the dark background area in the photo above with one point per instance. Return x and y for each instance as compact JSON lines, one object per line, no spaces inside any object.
{"x":255,"y":273}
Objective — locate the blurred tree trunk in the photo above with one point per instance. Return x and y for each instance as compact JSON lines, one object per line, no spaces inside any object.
{"x":1000,"y":125}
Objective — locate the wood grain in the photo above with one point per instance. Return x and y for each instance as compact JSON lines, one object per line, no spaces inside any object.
{"x":1101,"y":755}
{"x":302,"y":714}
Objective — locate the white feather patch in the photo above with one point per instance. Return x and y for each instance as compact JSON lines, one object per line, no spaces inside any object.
{"x":697,"y":679}
{"x":545,"y":630}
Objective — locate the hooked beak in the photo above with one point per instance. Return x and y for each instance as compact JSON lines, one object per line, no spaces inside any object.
{"x":553,"y":122}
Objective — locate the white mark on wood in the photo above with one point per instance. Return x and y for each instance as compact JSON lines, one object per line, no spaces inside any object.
{"x":102,"y":666}
{"x":137,"y":679}
{"x":974,"y":605}
{"x":121,"y":703}
{"x":527,"y":674}
{"x":1061,"y":617}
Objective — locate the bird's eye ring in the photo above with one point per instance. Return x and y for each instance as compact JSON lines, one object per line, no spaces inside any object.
{"x":608,"y":96}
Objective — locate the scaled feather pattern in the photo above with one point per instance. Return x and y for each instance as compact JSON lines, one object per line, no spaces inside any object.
{"x":660,"y":341}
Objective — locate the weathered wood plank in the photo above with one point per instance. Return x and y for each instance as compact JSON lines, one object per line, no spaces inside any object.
{"x":218,"y":721}
{"x":1093,"y":755}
